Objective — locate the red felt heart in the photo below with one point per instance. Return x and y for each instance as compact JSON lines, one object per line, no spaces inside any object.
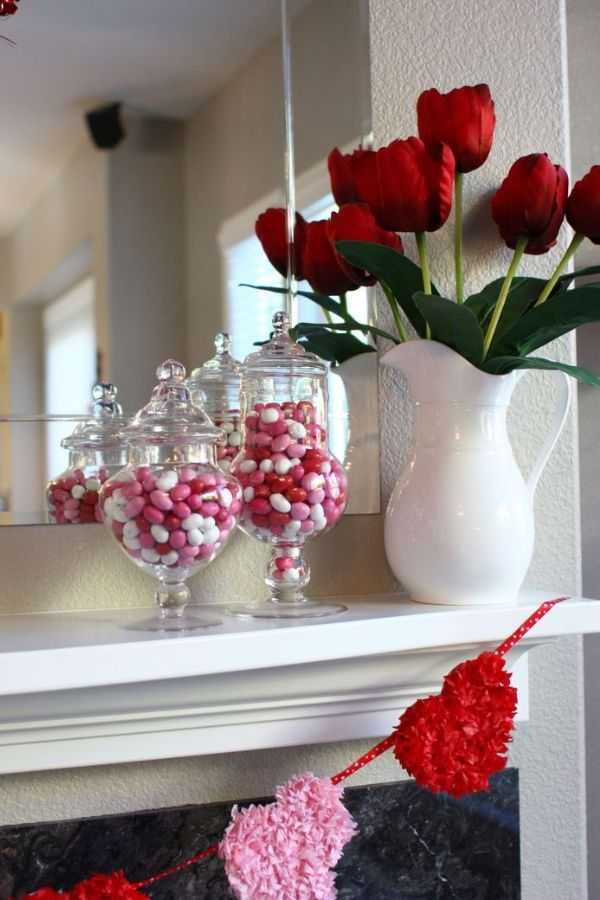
{"x":99,"y":887}
{"x":456,"y":740}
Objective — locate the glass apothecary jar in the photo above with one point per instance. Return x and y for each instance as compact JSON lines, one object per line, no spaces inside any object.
{"x":294,"y":489}
{"x":96,"y":450}
{"x":216,"y":385}
{"x":171,"y":509}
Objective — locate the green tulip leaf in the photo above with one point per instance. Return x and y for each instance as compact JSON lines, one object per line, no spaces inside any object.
{"x":579,"y":273}
{"x":453,"y":324}
{"x":333,"y":346}
{"x":402,"y":276}
{"x":322,"y":300}
{"x":521,"y":297}
{"x":501,"y":365}
{"x":560,"y":314}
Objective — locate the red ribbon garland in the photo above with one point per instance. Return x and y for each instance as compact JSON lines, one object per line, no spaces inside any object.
{"x":117,"y":887}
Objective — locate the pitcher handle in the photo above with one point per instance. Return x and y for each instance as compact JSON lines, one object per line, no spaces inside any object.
{"x":561,"y":411}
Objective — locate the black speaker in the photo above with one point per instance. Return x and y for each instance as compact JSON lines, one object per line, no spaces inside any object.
{"x":105,"y":126}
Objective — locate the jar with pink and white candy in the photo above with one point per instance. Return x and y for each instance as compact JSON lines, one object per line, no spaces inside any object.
{"x":96,"y":450}
{"x":294,"y":489}
{"x":171,"y":509}
{"x":216,"y":386}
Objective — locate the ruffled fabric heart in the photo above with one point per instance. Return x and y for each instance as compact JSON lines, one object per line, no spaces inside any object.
{"x":99,"y":887}
{"x":286,"y":850}
{"x":455,"y":741}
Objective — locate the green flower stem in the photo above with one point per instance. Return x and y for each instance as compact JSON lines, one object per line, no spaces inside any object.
{"x":402,"y":332}
{"x":344,"y":304}
{"x":458,"y":225}
{"x":424,"y":263}
{"x":499,"y":306}
{"x":328,"y":317}
{"x":567,"y":255}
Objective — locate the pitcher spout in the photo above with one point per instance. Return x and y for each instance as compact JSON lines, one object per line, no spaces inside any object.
{"x":437,"y":374}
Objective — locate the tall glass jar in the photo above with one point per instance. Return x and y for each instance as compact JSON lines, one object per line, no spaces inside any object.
{"x":294,"y":489}
{"x":216,"y":385}
{"x":171,"y":509}
{"x":96,"y":450}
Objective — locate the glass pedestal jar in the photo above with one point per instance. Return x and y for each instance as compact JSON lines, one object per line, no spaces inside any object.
{"x":171,"y":509}
{"x":96,"y":450}
{"x":216,"y":385}
{"x":293,"y":488}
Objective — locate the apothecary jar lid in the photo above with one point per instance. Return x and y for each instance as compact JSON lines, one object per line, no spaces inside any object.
{"x":220,"y":369}
{"x":170,"y":417}
{"x":104,"y":429}
{"x":283,"y":356}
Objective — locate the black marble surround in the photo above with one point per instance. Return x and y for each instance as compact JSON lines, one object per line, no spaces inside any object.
{"x":413,"y":845}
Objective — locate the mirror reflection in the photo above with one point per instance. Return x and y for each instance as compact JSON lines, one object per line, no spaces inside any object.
{"x":144,"y":142}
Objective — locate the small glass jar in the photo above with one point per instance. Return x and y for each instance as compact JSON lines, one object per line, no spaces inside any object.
{"x":96,"y":450}
{"x":216,"y":385}
{"x":171,"y":509}
{"x":294,"y":489}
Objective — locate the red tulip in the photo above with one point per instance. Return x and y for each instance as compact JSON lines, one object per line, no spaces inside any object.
{"x":324,"y":268}
{"x":583,"y":206}
{"x":407,"y":187}
{"x":464,"y":119}
{"x":271,"y":230}
{"x":530,"y":202}
{"x":342,"y":174}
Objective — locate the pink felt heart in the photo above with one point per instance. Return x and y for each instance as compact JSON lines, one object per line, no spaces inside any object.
{"x":454,"y":741}
{"x":286,"y":850}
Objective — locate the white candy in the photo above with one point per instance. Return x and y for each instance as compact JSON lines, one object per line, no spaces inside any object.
{"x":320,"y":524}
{"x":195,"y":537}
{"x":209,"y":522}
{"x":249,"y":493}
{"x":280,"y":503}
{"x":283,"y":466}
{"x":295,"y":462}
{"x":269,"y":415}
{"x":149,"y":555}
{"x":225,"y":465}
{"x":169,"y":559}
{"x":226,"y":497}
{"x":266,"y":466}
{"x":77,"y":491}
{"x":119,"y":515}
{"x":326,"y":468}
{"x":212,"y":536}
{"x":118,"y":497}
{"x":228,"y":427}
{"x":249,"y":465}
{"x":192,"y":522}
{"x":130,"y":529}
{"x":131,"y":543}
{"x":292,"y":527}
{"x":296,"y":430}
{"x":160,"y":534}
{"x":92,"y":484}
{"x":317,"y":513}
{"x":234,"y":439}
{"x":291,"y":575}
{"x":167,"y":481}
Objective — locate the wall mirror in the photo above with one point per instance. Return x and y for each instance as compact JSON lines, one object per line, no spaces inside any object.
{"x":143,"y":143}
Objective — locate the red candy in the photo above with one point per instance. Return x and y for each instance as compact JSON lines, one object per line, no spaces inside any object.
{"x":72,"y":498}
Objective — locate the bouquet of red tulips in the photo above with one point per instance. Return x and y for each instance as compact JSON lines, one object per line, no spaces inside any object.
{"x":409,"y":186}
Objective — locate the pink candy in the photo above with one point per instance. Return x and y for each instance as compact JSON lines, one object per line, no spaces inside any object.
{"x":186,"y":526}
{"x":72,"y":498}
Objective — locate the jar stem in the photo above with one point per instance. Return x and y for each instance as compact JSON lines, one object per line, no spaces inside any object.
{"x":172,"y":599}
{"x":288,"y":574}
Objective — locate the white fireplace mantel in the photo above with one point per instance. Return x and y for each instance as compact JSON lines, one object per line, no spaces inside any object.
{"x":79,"y":689}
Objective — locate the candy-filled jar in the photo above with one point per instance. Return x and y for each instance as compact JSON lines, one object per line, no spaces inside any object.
{"x":96,"y":450}
{"x":294,"y":489}
{"x":216,"y":386}
{"x":171,"y":509}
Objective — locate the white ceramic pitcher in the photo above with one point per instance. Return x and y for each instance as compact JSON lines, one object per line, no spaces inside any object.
{"x":459,"y":527}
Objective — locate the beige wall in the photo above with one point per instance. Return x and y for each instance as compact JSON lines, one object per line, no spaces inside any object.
{"x":464,"y":43}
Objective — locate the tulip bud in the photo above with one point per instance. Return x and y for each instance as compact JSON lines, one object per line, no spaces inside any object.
{"x":583,"y":206}
{"x":530,"y":203}
{"x":464,"y":119}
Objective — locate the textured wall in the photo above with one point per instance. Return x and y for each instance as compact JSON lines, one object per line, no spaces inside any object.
{"x":518,"y":48}
{"x":583,"y":32}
